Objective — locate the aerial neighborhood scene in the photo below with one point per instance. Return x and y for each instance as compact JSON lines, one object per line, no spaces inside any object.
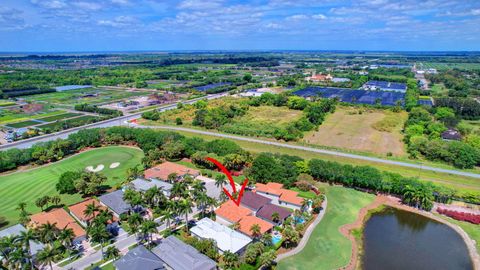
{"x":239,"y":135}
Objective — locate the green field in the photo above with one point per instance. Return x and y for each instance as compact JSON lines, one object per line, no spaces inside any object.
{"x":29,"y":185}
{"x":59,"y":117}
{"x":445,"y":66}
{"x":23,"y":124}
{"x":10,"y":116}
{"x":327,"y":248}
{"x":82,"y":119}
{"x":73,"y":97}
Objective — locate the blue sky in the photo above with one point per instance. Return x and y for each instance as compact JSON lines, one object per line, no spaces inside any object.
{"x":123,"y":25}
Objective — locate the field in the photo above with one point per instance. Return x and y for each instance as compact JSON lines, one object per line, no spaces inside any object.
{"x":27,"y":186}
{"x":23,"y":124}
{"x":9,"y":117}
{"x":439,"y":90}
{"x":327,"y":248}
{"x":82,"y":119}
{"x":473,"y":125}
{"x":445,"y":66}
{"x":463,"y":184}
{"x":373,"y":131}
{"x":59,"y":117}
{"x":90,"y":96}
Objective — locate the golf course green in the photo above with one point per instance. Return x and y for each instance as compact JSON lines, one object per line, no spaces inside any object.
{"x":27,"y":186}
{"x":327,"y":248}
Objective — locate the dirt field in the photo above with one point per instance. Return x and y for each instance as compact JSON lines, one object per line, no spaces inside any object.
{"x":349,"y":130}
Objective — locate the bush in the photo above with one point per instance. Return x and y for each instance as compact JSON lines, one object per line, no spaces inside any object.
{"x":468,"y":217}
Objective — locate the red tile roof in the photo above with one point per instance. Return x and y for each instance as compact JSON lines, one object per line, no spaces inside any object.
{"x":162,"y":171}
{"x":60,"y":218}
{"x":290,"y":196}
{"x":277,"y":189}
{"x":271,"y":188}
{"x":248,"y":221}
{"x":231,"y":212}
{"x":78,"y":209}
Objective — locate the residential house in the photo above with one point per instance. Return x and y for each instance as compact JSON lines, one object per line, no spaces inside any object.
{"x":15,"y":230}
{"x":140,"y":258}
{"x":254,"y":201}
{"x":229,"y":213}
{"x":180,"y":256}
{"x":163,"y":170}
{"x":319,"y":78}
{"x":211,"y":188}
{"x":224,"y":237}
{"x":279,"y":195}
{"x":115,"y":202}
{"x":61,"y":219}
{"x":451,"y":135}
{"x":143,"y":185}
{"x":268,"y":210}
{"x":247,"y":222}
{"x":78,"y":212}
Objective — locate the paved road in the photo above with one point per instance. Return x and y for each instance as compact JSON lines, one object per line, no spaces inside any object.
{"x":103,"y":124}
{"x":316,"y":150}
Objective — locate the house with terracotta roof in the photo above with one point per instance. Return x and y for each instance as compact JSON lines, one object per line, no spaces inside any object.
{"x":279,"y":195}
{"x":267,"y":212}
{"x":78,"y":210}
{"x":162,"y":171}
{"x":254,"y":201}
{"x":247,"y":222}
{"x":229,"y":213}
{"x":61,"y":219}
{"x":319,"y":78}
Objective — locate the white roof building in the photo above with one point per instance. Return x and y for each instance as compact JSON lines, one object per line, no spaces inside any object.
{"x":226,"y":238}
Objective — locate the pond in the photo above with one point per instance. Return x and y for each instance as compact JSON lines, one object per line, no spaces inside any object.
{"x":396,"y":239}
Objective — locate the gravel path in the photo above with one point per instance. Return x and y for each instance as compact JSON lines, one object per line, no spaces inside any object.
{"x":306,"y":235}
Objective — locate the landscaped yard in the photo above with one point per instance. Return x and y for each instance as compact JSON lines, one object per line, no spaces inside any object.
{"x":377,"y":131}
{"x":27,"y":186}
{"x":327,"y":248}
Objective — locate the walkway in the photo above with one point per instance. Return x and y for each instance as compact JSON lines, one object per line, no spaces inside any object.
{"x":306,"y":235}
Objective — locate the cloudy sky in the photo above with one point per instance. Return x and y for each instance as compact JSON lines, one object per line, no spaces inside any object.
{"x":123,"y":25}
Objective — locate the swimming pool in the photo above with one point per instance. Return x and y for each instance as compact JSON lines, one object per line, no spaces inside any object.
{"x":299,"y":220}
{"x":276,"y":238}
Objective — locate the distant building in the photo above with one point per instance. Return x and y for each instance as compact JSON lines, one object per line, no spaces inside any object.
{"x":247,"y":222}
{"x":180,"y":256}
{"x":385,"y":86}
{"x":143,"y":185}
{"x":319,"y":78}
{"x":224,"y":237}
{"x":451,"y":135}
{"x":78,"y":211}
{"x":279,"y":195}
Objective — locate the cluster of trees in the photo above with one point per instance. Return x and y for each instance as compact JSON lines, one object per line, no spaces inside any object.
{"x":83,"y":182}
{"x":95,"y":109}
{"x":213,"y":118}
{"x":412,"y":94}
{"x":466,"y":108}
{"x":455,"y":81}
{"x":267,"y":167}
{"x":423,"y":137}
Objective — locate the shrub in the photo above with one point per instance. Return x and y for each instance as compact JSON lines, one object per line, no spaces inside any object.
{"x":462,"y":216}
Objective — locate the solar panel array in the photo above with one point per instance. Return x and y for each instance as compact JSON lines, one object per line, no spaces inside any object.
{"x":354,"y":96}
{"x":387,"y":86}
{"x":212,"y":85}
{"x":426,"y":102}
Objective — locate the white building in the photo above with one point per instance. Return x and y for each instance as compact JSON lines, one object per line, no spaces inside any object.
{"x":225,"y":238}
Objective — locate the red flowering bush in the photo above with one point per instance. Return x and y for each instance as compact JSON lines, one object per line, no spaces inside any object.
{"x":462,"y":216}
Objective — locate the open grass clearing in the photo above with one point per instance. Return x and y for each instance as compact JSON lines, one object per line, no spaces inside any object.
{"x":11,"y":116}
{"x":327,"y":248}
{"x":367,"y":130}
{"x":82,"y":119}
{"x":23,"y":124}
{"x":27,"y":186}
{"x":460,"y":183}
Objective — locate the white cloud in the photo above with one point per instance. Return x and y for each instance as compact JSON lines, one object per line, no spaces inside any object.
{"x":50,"y":4}
{"x":200,"y":4}
{"x":319,"y":17}
{"x":87,"y":5}
{"x":297,"y":17}
{"x":475,"y":11}
{"x":120,"y":21}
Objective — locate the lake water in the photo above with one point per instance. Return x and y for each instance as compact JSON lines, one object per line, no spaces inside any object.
{"x":396,"y":239}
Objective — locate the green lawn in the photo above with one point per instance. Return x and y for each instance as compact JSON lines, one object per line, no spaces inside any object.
{"x":58,"y":117}
{"x":23,"y":124}
{"x":327,"y":248}
{"x":29,"y":185}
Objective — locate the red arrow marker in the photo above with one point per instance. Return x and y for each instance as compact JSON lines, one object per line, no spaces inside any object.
{"x":232,"y":183}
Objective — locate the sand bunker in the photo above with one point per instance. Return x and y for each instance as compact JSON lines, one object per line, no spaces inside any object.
{"x":114,"y":165}
{"x":96,"y":169}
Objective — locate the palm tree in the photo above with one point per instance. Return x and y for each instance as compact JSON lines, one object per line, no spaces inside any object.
{"x":21,"y":206}
{"x":66,"y":237}
{"x":25,"y":238}
{"x":236,"y":225}
{"x":47,"y":255}
{"x":296,"y":216}
{"x":104,"y":217}
{"x":112,"y":252}
{"x":90,"y":211}
{"x":55,"y":200}
{"x":220,"y":180}
{"x":134,"y":221}
{"x":148,"y":228}
{"x":179,"y":190}
{"x":7,"y":245}
{"x":305,"y":205}
{"x":17,"y":258}
{"x":167,"y":214}
{"x":255,"y":229}
{"x":172,"y":177}
{"x":185,"y":207}
{"x":48,"y":232}
{"x":275,"y":217}
{"x":230,"y":260}
{"x":202,"y":200}
{"x":267,"y":259}
{"x":98,"y":234}
{"x":133,"y":197}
